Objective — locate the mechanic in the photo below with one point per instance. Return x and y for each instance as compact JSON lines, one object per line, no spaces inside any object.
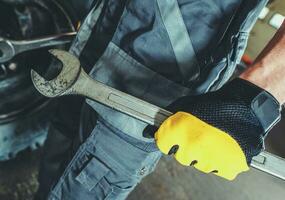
{"x":179,"y":53}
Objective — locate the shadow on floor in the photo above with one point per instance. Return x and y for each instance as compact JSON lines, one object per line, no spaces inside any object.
{"x":18,"y":177}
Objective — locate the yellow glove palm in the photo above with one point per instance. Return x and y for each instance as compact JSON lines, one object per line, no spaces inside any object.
{"x":202,"y":145}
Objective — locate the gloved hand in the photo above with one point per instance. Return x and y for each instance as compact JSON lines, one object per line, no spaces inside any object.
{"x":219,"y":132}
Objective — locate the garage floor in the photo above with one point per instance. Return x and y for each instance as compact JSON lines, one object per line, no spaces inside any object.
{"x":169,"y":181}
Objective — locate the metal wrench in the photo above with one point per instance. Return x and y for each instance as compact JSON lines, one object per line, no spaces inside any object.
{"x":11,"y":48}
{"x":74,"y":80}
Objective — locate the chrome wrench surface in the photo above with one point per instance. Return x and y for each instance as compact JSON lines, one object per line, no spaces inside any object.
{"x":73,"y":80}
{"x":11,"y":48}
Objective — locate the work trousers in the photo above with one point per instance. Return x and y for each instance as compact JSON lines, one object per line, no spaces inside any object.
{"x":101,"y":162}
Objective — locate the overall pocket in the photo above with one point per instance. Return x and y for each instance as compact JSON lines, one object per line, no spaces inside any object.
{"x":124,"y":161}
{"x":84,"y":178}
{"x":92,"y":178}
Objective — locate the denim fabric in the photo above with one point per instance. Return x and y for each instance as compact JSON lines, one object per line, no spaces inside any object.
{"x":108,"y":165}
{"x":142,"y":34}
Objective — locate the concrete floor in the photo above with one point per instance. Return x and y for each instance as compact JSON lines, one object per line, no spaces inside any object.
{"x":169,"y":181}
{"x":172,"y":181}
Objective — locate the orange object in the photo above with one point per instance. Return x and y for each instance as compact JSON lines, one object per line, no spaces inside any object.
{"x":247,"y":60}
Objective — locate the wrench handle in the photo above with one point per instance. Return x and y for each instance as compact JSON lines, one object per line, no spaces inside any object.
{"x":155,"y":115}
{"x":27,"y":45}
{"x":141,"y":110}
{"x":120,"y":101}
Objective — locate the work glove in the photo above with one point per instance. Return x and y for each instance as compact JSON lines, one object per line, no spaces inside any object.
{"x":219,"y":132}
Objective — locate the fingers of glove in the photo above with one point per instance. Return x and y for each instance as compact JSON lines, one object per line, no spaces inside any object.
{"x":165,"y":143}
{"x":230,"y":174}
{"x":210,"y":148}
{"x":184,"y":156}
{"x":224,"y":154}
{"x":208,"y":162}
{"x":217,"y":151}
{"x":169,"y":134}
{"x":218,"y":163}
{"x":230,"y":165}
{"x":226,"y":165}
{"x":204,"y":167}
{"x":197,"y":156}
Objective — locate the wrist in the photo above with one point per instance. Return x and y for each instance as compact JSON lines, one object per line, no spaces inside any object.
{"x":268,"y":70}
{"x":270,"y":78}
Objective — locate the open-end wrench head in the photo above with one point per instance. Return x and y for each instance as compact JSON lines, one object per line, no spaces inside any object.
{"x":64,"y":80}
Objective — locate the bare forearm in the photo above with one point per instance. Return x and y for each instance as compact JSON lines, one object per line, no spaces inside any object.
{"x":268,"y":70}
